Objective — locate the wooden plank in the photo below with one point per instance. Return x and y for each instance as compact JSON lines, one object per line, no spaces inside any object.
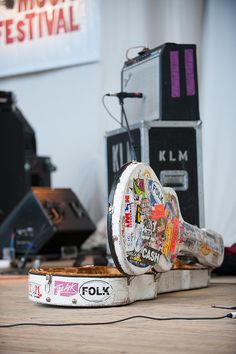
{"x":137,"y":335}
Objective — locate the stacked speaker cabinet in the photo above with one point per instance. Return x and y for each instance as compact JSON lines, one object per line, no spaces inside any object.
{"x":165,"y":124}
{"x":167,"y":78}
{"x":20,"y":166}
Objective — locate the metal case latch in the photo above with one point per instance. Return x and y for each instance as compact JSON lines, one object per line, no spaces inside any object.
{"x":48,"y":282}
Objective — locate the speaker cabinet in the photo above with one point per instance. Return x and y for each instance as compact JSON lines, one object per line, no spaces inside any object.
{"x":20,"y":166}
{"x":167,"y":78}
{"x":45,"y":220}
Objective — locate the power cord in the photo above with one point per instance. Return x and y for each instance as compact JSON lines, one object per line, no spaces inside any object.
{"x":229,"y":315}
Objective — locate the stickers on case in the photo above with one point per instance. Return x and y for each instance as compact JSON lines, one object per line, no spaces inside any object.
{"x":145,"y":227}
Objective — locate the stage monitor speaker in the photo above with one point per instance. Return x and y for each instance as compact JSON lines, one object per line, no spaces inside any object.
{"x":45,"y":220}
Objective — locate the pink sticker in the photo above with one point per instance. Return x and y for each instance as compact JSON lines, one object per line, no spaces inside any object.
{"x":65,"y":288}
{"x":35,"y":289}
{"x":189,"y":72}
{"x":128,"y":217}
{"x":174,"y":73}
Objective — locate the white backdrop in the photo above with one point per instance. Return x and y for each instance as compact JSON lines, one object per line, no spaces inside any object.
{"x":64,"y":106}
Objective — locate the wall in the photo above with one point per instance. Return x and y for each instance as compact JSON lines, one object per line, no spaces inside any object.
{"x":64,"y":106}
{"x":218,"y":112}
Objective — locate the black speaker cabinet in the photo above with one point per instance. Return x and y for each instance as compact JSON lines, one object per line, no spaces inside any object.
{"x":174,"y":151}
{"x":17,"y":146}
{"x":20,"y":167}
{"x":44,"y":221}
{"x":167,"y":78}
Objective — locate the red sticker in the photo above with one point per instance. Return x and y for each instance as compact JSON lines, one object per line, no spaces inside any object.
{"x":157,"y":212}
{"x":175,"y":235}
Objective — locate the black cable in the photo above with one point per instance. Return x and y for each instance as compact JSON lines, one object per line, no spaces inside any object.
{"x":229,"y":315}
{"x":132,"y":149}
{"x":127,"y":128}
{"x":224,"y":307}
{"x":111,"y":115}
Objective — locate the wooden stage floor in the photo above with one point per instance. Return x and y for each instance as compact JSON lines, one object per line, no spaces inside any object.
{"x":134,"y":336}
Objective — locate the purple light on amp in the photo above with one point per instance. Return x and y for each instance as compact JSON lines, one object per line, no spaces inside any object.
{"x":189,"y":72}
{"x":174,"y":73}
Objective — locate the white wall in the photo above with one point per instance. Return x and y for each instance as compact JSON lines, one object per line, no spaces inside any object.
{"x":64,"y":106}
{"x":218,"y":112}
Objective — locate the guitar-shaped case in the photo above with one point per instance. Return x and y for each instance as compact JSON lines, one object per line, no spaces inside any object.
{"x":146,"y":229}
{"x":146,"y":233}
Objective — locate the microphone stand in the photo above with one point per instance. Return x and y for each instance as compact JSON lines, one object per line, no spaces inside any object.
{"x":123,"y":114}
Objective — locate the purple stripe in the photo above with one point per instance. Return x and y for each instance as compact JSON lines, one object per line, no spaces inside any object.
{"x":189,"y":72}
{"x":174,"y":73}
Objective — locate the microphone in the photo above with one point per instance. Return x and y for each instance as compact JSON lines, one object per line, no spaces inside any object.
{"x":123,"y":95}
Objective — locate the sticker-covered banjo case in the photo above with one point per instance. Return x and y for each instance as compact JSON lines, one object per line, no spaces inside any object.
{"x":146,"y":233}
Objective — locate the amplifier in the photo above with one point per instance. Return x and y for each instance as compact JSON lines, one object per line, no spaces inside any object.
{"x":174,"y":150}
{"x":167,"y":78}
{"x":45,"y":220}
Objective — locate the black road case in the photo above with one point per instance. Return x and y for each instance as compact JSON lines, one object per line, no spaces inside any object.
{"x":174,"y":151}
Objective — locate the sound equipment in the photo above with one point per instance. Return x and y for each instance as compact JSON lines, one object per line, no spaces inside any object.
{"x":174,"y":151}
{"x":45,"y":220}
{"x":20,"y":166}
{"x":41,"y":169}
{"x":146,"y":233}
{"x":167,"y":78}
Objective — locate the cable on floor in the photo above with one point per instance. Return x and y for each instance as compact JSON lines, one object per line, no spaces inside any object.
{"x":229,"y":315}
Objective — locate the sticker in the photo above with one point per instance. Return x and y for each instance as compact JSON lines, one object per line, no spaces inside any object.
{"x":138,"y":240}
{"x":175,"y":235}
{"x":173,"y":224}
{"x":147,"y":174}
{"x":150,"y":255}
{"x":215,"y":245}
{"x":96,"y":291}
{"x":205,"y":249}
{"x":65,"y":288}
{"x":148,"y":229}
{"x":155,"y":190}
{"x":160,"y":240}
{"x":168,"y":234}
{"x":175,"y":206}
{"x":160,"y":227}
{"x":145,"y":206}
{"x":129,"y":241}
{"x":138,"y":185}
{"x":35,"y":289}
{"x":129,"y":212}
{"x":138,"y":214}
{"x":158,"y":212}
{"x":136,"y":260}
